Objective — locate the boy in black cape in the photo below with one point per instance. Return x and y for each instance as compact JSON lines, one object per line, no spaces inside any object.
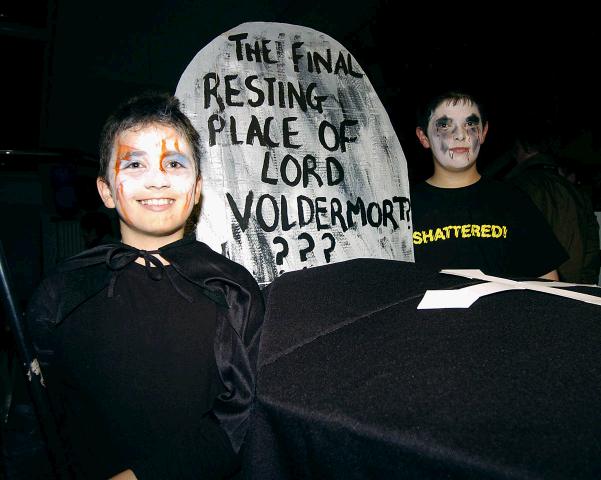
{"x":149,"y":346}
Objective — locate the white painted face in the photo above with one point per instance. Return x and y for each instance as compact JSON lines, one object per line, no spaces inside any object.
{"x":455,"y":133}
{"x":152,"y":184}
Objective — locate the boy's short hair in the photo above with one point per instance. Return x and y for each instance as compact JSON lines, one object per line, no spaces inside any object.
{"x":141,"y":111}
{"x":453,"y":97}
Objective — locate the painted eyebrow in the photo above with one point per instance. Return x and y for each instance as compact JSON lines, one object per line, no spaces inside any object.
{"x":128,"y":153}
{"x":444,"y":118}
{"x":170,"y":154}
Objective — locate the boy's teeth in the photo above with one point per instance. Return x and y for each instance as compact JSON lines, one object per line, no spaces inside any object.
{"x":157,"y":201}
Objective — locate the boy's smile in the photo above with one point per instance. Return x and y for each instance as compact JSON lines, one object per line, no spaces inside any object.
{"x":153,"y":184}
{"x":157,"y":204}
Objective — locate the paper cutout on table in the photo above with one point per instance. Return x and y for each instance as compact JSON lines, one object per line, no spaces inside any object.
{"x":465,"y":297}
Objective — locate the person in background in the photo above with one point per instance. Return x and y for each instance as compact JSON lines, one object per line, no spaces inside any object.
{"x":568,"y":210}
{"x":462,"y":220}
{"x":148,"y":347}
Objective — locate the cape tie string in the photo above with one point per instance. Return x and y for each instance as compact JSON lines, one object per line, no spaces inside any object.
{"x":118,"y":257}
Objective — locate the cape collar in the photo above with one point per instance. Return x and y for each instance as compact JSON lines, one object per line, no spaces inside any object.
{"x":89,"y":272}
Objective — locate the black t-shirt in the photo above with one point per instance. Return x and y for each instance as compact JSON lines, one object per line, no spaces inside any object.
{"x":488,"y":225}
{"x":137,"y":379}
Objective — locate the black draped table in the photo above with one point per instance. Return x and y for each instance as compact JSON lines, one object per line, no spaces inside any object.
{"x":355,"y":382}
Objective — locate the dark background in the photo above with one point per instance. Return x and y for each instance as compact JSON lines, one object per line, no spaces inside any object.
{"x":67,"y":63}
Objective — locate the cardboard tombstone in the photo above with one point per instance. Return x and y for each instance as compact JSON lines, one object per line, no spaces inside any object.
{"x":301,"y":165}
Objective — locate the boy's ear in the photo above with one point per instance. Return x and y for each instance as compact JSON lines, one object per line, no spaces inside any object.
{"x":197,"y":190}
{"x":422,"y":137}
{"x":104,"y":190}
{"x":484,"y":132}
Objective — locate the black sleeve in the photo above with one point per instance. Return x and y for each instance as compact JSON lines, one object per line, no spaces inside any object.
{"x":40,"y":317}
{"x":537,"y":245}
{"x":236,"y":351}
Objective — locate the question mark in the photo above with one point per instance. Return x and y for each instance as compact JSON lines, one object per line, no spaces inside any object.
{"x":407,"y":212}
{"x":328,"y":251}
{"x":404,"y":202}
{"x":311,"y":244}
{"x":279,"y":257}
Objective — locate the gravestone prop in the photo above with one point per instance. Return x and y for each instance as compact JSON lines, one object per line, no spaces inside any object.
{"x":301,"y":165}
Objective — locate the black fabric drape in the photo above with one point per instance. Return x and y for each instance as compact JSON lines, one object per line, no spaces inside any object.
{"x":354,"y":382}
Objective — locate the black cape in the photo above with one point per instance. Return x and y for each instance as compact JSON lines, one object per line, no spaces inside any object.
{"x":239,"y":313}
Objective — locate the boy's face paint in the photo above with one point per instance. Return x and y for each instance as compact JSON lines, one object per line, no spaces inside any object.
{"x":455,"y":133}
{"x":152,"y":184}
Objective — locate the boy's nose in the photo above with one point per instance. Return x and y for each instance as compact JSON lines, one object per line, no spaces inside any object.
{"x":460,"y":133}
{"x":157,"y":178}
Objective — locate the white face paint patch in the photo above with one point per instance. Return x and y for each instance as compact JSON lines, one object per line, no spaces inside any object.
{"x":455,"y":132}
{"x":301,"y":164}
{"x":153,"y":183}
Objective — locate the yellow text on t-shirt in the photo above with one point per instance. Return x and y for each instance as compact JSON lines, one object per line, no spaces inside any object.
{"x":459,"y":231}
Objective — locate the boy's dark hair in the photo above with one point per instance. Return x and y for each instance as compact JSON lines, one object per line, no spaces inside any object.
{"x":453,"y":97}
{"x":141,"y":111}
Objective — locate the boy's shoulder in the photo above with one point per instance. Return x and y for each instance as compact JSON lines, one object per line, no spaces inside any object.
{"x":71,"y":283}
{"x":484,"y":186}
{"x":201,"y":262}
{"x":80,"y":277}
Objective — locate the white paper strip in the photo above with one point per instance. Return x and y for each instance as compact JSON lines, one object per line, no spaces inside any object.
{"x":465,"y":297}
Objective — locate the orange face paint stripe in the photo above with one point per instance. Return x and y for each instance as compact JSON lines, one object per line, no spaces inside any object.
{"x":121,"y":198}
{"x":163,"y":153}
{"x":188,"y":200}
{"x":123,"y":153}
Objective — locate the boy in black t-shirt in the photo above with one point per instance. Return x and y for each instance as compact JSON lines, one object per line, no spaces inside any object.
{"x":463,"y":221}
{"x":149,"y":346}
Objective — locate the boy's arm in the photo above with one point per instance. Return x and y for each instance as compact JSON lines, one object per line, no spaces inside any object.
{"x":237,"y":352}
{"x":40,"y":320}
{"x":40,"y":317}
{"x":537,"y":246}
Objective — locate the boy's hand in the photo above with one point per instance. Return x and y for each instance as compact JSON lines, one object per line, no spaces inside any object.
{"x":552,"y":275}
{"x":126,"y":475}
